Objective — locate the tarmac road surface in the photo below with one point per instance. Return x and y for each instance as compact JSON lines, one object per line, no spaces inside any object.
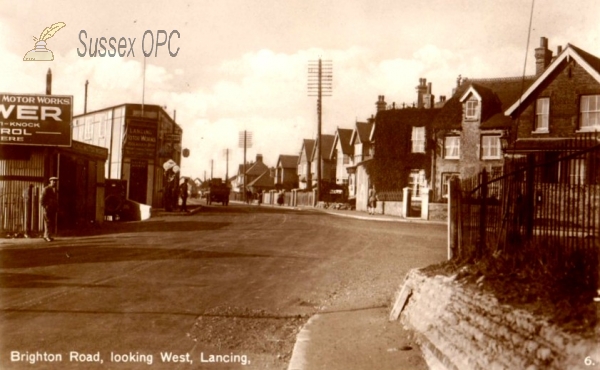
{"x":219,"y":288}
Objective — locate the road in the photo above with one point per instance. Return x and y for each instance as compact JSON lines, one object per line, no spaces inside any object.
{"x":220,"y":288}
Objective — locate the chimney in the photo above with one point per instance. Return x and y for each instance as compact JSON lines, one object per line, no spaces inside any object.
{"x":421,"y":91}
{"x":259,"y":158}
{"x":543,"y":56}
{"x":380,"y":103}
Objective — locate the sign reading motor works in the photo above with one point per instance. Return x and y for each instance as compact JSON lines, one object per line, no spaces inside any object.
{"x":43,"y":120}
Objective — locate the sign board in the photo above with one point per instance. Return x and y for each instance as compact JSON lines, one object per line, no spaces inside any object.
{"x":41,"y":120}
{"x":140,"y":140}
{"x":173,"y":137}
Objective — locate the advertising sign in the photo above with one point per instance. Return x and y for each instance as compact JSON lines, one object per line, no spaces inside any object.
{"x":42,"y":120}
{"x":140,"y":141}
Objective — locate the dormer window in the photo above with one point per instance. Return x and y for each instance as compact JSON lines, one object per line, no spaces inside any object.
{"x":471,"y":109}
{"x":590,"y":112}
{"x":542,"y":113}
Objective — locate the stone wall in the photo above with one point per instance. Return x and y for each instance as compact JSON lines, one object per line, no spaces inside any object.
{"x":461,"y":328}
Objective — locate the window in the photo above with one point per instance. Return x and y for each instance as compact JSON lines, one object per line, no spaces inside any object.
{"x":542,"y":110}
{"x":590,"y":112}
{"x":471,"y":109}
{"x":576,"y":171}
{"x":417,"y":181}
{"x":490,"y":147}
{"x":446,"y":182}
{"x":452,"y":147}
{"x":418,"y":139}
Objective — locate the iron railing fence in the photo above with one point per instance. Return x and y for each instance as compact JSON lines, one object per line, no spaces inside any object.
{"x":543,"y":210}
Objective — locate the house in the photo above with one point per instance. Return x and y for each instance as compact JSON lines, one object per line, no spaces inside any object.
{"x":304,"y":164}
{"x":327,"y":164}
{"x":471,"y":128}
{"x":286,"y":172}
{"x":256,"y":170}
{"x":262,"y":183}
{"x":358,"y":179}
{"x":403,"y":157}
{"x":560,"y":109}
{"x":342,"y":153}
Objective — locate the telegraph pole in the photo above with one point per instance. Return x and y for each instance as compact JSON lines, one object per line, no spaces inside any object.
{"x":320,"y":78}
{"x":245,"y":141}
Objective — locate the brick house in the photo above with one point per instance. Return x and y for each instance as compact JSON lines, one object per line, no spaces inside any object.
{"x":470,"y":130}
{"x":404,"y":147}
{"x":561,"y":105}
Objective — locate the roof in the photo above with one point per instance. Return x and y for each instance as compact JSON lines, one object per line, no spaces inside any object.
{"x":326,"y":146}
{"x":496,"y":94}
{"x":343,"y":136}
{"x":362,"y":132}
{"x":586,"y":60}
{"x":288,"y":161}
{"x":257,"y":168}
{"x":264,"y":180}
{"x":307,"y":148}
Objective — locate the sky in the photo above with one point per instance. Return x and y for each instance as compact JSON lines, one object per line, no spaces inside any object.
{"x":242,"y":65}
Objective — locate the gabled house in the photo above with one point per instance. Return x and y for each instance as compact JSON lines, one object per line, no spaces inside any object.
{"x":327,"y":164}
{"x":286,"y":172}
{"x":471,"y":128}
{"x":304,"y":164}
{"x":256,"y":170}
{"x":561,"y":107}
{"x":262,"y":183}
{"x":360,"y":140}
{"x":342,"y":153}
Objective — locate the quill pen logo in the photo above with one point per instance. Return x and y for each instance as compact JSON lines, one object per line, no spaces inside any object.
{"x":40,"y":52}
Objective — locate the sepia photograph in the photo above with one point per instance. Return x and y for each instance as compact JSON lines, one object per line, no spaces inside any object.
{"x":300,"y":185}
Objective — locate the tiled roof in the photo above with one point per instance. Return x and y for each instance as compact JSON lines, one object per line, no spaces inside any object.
{"x":497,"y":95}
{"x":364,"y":131}
{"x":288,"y":161}
{"x":257,"y":169}
{"x":326,"y":146}
{"x":592,"y":60}
{"x":586,"y":60}
{"x":307,"y":147}
{"x":264,"y":180}
{"x":344,"y":136}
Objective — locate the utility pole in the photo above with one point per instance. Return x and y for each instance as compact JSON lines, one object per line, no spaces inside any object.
{"x":226,"y":164}
{"x":320,"y":82}
{"x":245,"y":141}
{"x":85,"y":99}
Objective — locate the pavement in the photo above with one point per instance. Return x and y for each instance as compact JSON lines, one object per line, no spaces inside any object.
{"x":341,"y":340}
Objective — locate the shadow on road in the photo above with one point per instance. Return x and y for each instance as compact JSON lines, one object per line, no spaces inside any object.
{"x":28,"y":257}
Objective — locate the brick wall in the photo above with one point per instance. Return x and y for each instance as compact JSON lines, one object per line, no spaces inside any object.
{"x":461,"y":328}
{"x":564,"y":89}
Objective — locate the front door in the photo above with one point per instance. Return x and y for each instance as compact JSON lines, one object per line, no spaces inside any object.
{"x":138,"y":182}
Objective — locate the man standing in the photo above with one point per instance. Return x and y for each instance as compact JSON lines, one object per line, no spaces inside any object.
{"x":183,"y":193}
{"x":49,"y":202}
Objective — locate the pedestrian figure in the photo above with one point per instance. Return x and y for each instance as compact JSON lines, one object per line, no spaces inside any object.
{"x":281,"y":197}
{"x":49,"y":203}
{"x":260,"y":196}
{"x":372,"y":202}
{"x":183,"y":193}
